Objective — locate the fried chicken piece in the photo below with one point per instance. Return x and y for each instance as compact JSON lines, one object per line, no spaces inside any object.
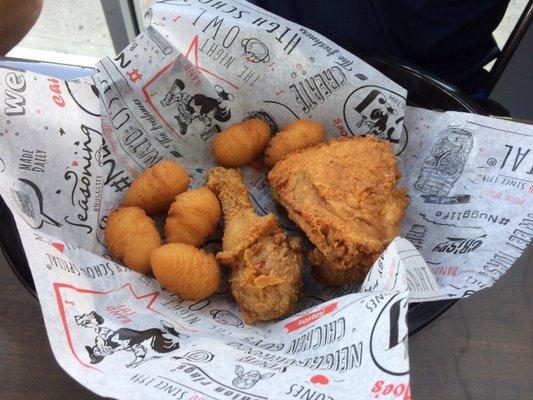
{"x":326,"y":272}
{"x":266,"y":265}
{"x":343,"y":195}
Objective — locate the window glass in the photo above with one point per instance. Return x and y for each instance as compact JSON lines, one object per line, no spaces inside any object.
{"x":68,"y":31}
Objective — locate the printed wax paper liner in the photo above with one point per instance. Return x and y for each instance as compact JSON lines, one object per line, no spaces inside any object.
{"x":120,"y":335}
{"x":470,"y":180}
{"x":66,"y":160}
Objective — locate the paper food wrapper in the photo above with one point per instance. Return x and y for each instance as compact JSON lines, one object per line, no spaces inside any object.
{"x":69,"y":150}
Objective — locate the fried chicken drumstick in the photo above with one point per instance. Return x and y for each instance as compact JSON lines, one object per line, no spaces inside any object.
{"x":343,"y":195}
{"x":266,"y":265}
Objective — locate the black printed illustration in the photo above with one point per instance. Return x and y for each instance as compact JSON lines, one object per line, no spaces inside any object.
{"x":378,"y":113}
{"x":26,"y":199}
{"x":159,"y":40}
{"x":198,"y":107}
{"x":267,"y":118}
{"x":143,"y":345}
{"x":247,"y":380}
{"x":255,"y":51}
{"x":225,"y":317}
{"x":444,"y":166}
{"x":99,"y":155}
{"x":198,"y":356}
{"x":78,"y":93}
{"x":376,"y":123}
{"x":386,"y":352}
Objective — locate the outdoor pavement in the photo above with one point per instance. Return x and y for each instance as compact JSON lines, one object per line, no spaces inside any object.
{"x":78,"y":28}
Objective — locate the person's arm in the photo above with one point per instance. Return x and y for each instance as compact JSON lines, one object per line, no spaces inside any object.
{"x":16,"y":19}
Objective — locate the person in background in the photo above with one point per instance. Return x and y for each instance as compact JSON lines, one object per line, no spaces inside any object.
{"x":16,"y":19}
{"x":452,"y":39}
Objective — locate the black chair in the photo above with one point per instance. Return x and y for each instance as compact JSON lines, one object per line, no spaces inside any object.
{"x":511,"y":78}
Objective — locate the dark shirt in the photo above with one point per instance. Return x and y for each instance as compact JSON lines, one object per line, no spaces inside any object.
{"x":450,"y":38}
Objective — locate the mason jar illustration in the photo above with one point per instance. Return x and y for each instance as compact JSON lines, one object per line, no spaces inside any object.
{"x":444,"y":165}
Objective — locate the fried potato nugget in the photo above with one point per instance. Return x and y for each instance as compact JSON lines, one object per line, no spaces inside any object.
{"x":296,"y":136}
{"x":155,"y":189}
{"x":241,"y":143}
{"x":193,"y":217}
{"x":131,"y":236}
{"x":186,"y":270}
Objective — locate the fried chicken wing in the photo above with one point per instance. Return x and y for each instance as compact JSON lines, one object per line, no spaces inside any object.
{"x":266,"y":265}
{"x":343,"y":195}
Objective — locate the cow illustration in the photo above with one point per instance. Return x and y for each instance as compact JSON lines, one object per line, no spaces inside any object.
{"x":198,"y":106}
{"x":144,"y":345}
{"x":247,"y":380}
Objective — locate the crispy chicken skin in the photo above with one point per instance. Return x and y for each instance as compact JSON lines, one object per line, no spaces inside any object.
{"x":266,"y":265}
{"x":343,"y":195}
